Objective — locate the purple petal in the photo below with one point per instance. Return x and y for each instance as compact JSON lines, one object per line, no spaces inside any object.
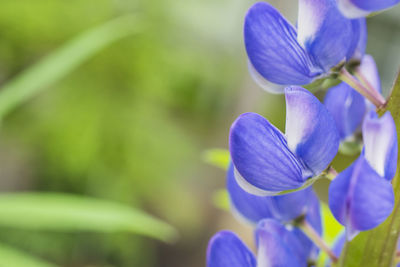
{"x":360,"y":198}
{"x":370,"y":72}
{"x":254,"y":208}
{"x":380,"y":143}
{"x":310,"y":130}
{"x":268,"y":86}
{"x":261,"y":157}
{"x":225,"y":249}
{"x":278,"y":247}
{"x":272,"y":47}
{"x":362,"y":38}
{"x":325,"y":33}
{"x":347,"y":107}
{"x":361,"y":8}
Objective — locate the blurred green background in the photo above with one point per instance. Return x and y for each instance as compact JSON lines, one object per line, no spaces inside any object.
{"x":131,"y":123}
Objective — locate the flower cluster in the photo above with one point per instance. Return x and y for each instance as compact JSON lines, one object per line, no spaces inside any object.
{"x":269,"y":177}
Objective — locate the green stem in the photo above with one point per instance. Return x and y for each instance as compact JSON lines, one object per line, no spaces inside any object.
{"x":371,"y":95}
{"x":310,"y":232}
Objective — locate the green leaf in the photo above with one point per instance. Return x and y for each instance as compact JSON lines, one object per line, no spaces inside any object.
{"x":377,"y":247}
{"x":63,"y":212}
{"x":217,"y":157}
{"x":331,"y":227}
{"x":62,"y":61}
{"x":331,"y":230}
{"x":13,"y":257}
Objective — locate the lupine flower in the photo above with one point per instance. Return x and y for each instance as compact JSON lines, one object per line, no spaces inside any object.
{"x":362,"y":8}
{"x":276,"y":246}
{"x":361,"y":197}
{"x":268,"y":162}
{"x":281,"y":54}
{"x":346,"y":105}
{"x":253,"y":208}
{"x":285,"y":208}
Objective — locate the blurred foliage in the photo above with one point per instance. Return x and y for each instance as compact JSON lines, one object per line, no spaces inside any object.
{"x":127,"y":125}
{"x":217,"y":157}
{"x":12,"y":257}
{"x":63,"y":212}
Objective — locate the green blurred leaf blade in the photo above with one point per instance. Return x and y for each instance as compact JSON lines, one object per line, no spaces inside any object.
{"x":13,"y":257}
{"x":217,"y":157}
{"x":63,"y":212}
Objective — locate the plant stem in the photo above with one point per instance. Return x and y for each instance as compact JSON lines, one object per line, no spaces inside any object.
{"x":310,"y":232}
{"x":371,"y":94}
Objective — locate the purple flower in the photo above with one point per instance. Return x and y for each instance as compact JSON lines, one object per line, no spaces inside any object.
{"x":362,"y":8}
{"x":285,"y":208}
{"x":276,"y":246}
{"x":347,"y":106}
{"x":268,"y":162}
{"x":281,"y":54}
{"x":361,"y":197}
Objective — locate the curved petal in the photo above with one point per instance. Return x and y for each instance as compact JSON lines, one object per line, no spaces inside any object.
{"x":272,"y":47}
{"x":261,"y":157}
{"x":246,"y":206}
{"x":277,"y":246}
{"x":369,"y":72}
{"x":380,"y":143}
{"x":361,"y":8}
{"x":254,"y":208}
{"x":325,"y":33}
{"x":310,"y":130}
{"x":359,"y":198}
{"x":225,"y":249}
{"x":361,"y":26}
{"x":347,"y":107}
{"x":268,"y":86}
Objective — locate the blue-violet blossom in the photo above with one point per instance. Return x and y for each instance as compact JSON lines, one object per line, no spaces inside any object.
{"x":362,"y":8}
{"x":268,"y":162}
{"x":347,"y":106}
{"x":361,"y":197}
{"x":284,"y":208}
{"x":281,"y":54}
{"x":276,"y":246}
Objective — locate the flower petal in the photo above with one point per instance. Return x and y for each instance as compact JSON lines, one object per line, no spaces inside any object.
{"x":277,"y":246}
{"x":380,"y":143}
{"x":325,"y":33}
{"x":347,"y":107}
{"x":362,"y":38}
{"x":361,"y":8}
{"x":359,"y":198}
{"x":359,"y":39}
{"x":272,"y":47}
{"x":310,"y":130}
{"x":254,"y":208}
{"x":268,"y":86}
{"x":369,"y":71}
{"x":261,"y":157}
{"x":225,"y":249}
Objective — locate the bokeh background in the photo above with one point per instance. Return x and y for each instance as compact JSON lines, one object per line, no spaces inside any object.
{"x":131,"y":124}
